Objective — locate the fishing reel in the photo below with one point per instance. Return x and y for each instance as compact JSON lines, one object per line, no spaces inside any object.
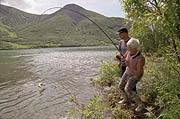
{"x":118,"y":57}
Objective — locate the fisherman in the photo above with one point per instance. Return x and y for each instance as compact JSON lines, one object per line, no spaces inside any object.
{"x":123,"y":34}
{"x":134,"y":71}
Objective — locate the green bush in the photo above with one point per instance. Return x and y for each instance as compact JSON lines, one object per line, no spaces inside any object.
{"x":164,"y":91}
{"x":108,"y":73}
{"x":93,"y":110}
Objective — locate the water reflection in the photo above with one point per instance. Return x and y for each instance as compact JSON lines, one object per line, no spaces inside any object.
{"x":35,"y":84}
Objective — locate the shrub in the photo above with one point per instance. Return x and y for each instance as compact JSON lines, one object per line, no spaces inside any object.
{"x":164,"y":91}
{"x":108,"y":73}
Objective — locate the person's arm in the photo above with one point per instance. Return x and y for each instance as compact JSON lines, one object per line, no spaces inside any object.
{"x":118,"y":54}
{"x":125,"y":55}
{"x":140,"y":66}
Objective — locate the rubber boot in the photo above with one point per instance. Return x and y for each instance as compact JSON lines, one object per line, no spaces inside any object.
{"x":125,"y":99}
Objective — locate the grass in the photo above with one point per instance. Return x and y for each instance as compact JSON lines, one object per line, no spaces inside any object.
{"x":9,"y":45}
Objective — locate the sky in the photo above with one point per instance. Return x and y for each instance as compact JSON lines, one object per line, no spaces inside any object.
{"x":110,"y":8}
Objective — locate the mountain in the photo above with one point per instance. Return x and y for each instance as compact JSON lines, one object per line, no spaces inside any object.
{"x":76,"y":17}
{"x":69,"y":26}
{"x":13,"y":17}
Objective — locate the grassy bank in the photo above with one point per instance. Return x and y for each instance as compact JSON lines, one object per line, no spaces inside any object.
{"x":159,"y":89}
{"x":4,"y":45}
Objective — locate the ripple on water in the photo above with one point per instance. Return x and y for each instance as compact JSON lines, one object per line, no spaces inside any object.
{"x":37,"y":83}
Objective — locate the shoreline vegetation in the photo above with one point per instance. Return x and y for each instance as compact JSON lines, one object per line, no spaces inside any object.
{"x":21,"y":47}
{"x":159,"y":90}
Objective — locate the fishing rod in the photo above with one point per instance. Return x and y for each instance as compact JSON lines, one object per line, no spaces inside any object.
{"x":89,"y":20}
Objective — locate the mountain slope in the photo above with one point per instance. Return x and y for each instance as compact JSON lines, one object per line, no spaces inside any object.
{"x":65,"y":27}
{"x":13,"y":17}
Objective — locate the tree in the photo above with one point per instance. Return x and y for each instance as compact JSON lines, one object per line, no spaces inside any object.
{"x":157,"y":21}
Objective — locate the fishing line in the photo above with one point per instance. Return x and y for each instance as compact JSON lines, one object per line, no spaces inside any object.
{"x":89,"y":20}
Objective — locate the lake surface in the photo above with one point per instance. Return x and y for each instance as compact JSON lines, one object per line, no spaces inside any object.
{"x":36,"y":83}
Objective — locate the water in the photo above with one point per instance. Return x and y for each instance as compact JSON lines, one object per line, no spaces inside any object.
{"x":36,"y":83}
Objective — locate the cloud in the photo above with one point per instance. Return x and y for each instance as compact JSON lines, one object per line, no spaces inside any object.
{"x":33,"y":4}
{"x":21,"y":4}
{"x":39,"y":6}
{"x":106,"y":7}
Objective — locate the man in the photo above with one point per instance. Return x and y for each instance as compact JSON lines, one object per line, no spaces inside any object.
{"x":123,"y":34}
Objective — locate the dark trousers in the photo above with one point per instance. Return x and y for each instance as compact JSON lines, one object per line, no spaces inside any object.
{"x":123,"y":69}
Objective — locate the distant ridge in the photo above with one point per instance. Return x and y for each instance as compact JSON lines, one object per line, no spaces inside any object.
{"x":63,"y":28}
{"x":12,"y":17}
{"x":76,"y":17}
{"x":3,"y":11}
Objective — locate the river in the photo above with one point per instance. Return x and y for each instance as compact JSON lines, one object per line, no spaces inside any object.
{"x":37,"y":83}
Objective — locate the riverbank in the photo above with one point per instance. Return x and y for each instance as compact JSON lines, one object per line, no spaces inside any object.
{"x":159,"y":97}
{"x":14,"y":46}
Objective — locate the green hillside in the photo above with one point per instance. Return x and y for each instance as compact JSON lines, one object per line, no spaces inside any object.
{"x":14,"y":17}
{"x":62,"y":28}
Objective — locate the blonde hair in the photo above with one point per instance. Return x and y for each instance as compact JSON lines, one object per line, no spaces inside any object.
{"x":133,"y":43}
